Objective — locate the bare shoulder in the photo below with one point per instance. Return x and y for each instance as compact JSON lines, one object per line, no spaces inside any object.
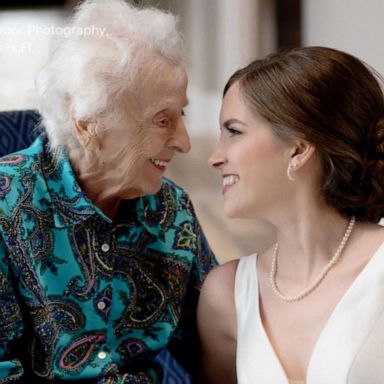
{"x":377,"y":235}
{"x":222,"y":276}
{"x":369,"y":234}
{"x":218,"y":288}
{"x":216,"y":318}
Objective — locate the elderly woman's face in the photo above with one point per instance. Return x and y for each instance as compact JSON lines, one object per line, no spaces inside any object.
{"x":136,"y":151}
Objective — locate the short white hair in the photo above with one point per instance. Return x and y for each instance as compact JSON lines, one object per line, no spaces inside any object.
{"x":85,"y":75}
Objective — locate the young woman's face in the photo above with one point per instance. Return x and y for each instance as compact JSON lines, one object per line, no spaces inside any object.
{"x":252,"y":159}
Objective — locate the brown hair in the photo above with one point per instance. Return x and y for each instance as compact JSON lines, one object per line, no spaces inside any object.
{"x":331,"y":99}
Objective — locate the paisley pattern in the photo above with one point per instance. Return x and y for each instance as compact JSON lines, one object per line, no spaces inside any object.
{"x":80,"y":351}
{"x":84,"y":298}
{"x":5,"y":182}
{"x":12,"y":159}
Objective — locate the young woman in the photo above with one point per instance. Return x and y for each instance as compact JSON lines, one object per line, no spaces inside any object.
{"x":302,"y":146}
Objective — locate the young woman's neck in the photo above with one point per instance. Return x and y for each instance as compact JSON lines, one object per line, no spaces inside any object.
{"x":308,"y":238}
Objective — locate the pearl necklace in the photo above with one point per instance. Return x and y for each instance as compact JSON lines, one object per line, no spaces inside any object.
{"x":319,"y":278}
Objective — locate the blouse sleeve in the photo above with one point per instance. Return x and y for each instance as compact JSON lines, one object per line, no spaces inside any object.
{"x":184,"y":344}
{"x":11,"y":325}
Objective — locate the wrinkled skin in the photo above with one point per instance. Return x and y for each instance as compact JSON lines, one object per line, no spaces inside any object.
{"x":115,"y":157}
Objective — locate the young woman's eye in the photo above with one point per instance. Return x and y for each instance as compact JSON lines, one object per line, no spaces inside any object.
{"x":183,"y":113}
{"x":233,"y":131}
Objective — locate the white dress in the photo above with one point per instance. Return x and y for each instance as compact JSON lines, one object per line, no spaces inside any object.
{"x":350,"y":348}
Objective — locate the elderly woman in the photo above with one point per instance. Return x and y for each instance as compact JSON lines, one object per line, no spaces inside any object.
{"x":101,"y":258}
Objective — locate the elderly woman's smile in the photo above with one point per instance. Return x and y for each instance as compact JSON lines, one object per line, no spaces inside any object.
{"x":160,"y":164}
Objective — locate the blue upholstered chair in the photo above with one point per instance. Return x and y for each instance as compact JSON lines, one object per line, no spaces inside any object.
{"x":17,"y":131}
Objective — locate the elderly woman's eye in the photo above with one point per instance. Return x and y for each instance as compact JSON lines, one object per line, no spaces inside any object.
{"x":163,"y":122}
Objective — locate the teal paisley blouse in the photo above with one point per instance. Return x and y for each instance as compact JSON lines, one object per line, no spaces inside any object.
{"x":86,"y":299}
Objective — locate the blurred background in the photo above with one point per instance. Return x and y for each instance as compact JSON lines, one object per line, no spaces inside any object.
{"x":220,"y":37}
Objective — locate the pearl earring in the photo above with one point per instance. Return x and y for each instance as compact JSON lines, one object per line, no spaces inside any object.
{"x":291,"y":167}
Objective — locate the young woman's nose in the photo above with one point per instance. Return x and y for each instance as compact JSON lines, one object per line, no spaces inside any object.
{"x":216,"y":160}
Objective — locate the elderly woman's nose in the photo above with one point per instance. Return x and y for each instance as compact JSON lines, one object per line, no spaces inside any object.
{"x":180,"y":140}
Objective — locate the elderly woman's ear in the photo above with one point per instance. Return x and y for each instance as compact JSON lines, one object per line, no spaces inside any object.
{"x":86,"y":133}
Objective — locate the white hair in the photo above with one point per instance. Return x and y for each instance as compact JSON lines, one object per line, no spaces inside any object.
{"x":85,"y":75}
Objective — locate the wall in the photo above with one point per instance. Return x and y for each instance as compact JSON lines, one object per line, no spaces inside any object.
{"x":355,"y":26}
{"x":25,"y":36}
{"x":221,"y":36}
